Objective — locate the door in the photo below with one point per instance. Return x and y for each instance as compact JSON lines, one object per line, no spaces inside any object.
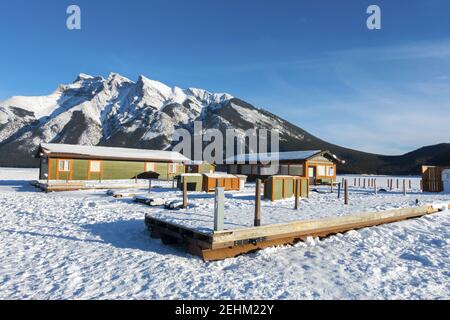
{"x":312,"y":175}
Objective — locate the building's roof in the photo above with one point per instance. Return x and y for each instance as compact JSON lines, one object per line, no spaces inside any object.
{"x":219,"y":175}
{"x":95,"y":152}
{"x":196,"y":163}
{"x":280,"y":156}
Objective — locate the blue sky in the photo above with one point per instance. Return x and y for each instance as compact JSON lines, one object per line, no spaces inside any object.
{"x":314,"y":63}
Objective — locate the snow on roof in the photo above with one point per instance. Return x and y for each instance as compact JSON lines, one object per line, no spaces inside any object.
{"x":112,"y":153}
{"x":219,"y":175}
{"x":191,"y":175}
{"x":196,"y":162}
{"x":274,"y":156}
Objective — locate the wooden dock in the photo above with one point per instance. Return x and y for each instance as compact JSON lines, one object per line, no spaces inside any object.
{"x":220,"y":245}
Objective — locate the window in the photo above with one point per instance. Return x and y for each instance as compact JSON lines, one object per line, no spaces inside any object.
{"x":296,"y":170}
{"x":95,"y":166}
{"x":269,"y":170}
{"x":331,"y":171}
{"x":284,"y":170}
{"x":172,"y":168}
{"x":233,"y":169}
{"x":321,"y":171}
{"x":64,"y":165}
{"x":246,"y":169}
{"x":150,"y":166}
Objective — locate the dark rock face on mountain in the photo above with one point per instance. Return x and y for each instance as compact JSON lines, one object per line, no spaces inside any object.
{"x":144,"y":114}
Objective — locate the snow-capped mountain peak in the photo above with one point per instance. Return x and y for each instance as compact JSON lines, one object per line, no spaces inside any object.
{"x":119,"y":112}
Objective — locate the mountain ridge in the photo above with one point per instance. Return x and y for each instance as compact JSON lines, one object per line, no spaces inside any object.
{"x":117,"y":111}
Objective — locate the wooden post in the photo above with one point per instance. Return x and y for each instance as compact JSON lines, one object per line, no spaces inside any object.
{"x":354,"y":184}
{"x":258,"y":203}
{"x":149,"y":185}
{"x":297,"y":194}
{"x":359,"y":182}
{"x":392,"y":182}
{"x":339,"y":190}
{"x":173,"y":183}
{"x":375,"y":186}
{"x":410,"y":185}
{"x":332,"y":181}
{"x":346,"y":192}
{"x":404,"y":187}
{"x":219,"y":201}
{"x":185,"y":197}
{"x":397,"y":184}
{"x":364,"y":183}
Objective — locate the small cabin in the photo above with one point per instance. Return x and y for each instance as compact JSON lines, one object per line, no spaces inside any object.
{"x":199,"y":167}
{"x":76,"y":162}
{"x":221,"y":179}
{"x":285,"y":187}
{"x":316,"y":165}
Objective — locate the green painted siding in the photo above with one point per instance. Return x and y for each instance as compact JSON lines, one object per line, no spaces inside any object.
{"x":120,"y":170}
{"x":162,"y":169}
{"x":286,"y":185}
{"x":206,"y":168}
{"x":53,"y":164}
{"x":80,"y":169}
{"x":112,"y":170}
{"x":194,"y":183}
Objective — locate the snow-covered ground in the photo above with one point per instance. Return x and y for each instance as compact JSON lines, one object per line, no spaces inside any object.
{"x":239,"y":206}
{"x":85,"y":244}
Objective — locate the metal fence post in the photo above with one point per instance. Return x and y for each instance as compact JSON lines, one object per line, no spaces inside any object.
{"x":219,"y":201}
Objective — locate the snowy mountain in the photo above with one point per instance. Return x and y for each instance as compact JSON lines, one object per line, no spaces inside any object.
{"x":119,"y":112}
{"x":144,"y":114}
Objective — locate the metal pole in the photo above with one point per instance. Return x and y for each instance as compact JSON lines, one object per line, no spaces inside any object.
{"x":339,"y":190}
{"x":258,"y":203}
{"x":297,"y":194}
{"x":219,"y":209}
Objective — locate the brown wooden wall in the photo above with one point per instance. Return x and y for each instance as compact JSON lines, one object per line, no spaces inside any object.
{"x":432,"y":179}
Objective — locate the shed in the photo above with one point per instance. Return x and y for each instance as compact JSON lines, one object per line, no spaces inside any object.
{"x":220,"y":179}
{"x":284,"y":187}
{"x":77,"y":162}
{"x":194,"y":181}
{"x":317,"y":165}
{"x":199,"y":167}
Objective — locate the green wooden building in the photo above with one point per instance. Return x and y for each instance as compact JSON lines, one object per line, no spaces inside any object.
{"x":195,"y":166}
{"x":318,"y":166}
{"x":76,"y":162}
